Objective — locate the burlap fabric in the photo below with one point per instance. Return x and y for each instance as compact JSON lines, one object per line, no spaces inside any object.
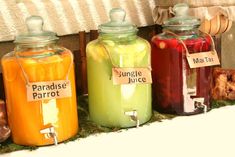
{"x":203,"y":9}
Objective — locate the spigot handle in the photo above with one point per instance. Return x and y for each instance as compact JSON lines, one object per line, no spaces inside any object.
{"x":200,"y":104}
{"x":50,"y":133}
{"x":134,"y":116}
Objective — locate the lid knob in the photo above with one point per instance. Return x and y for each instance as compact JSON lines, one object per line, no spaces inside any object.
{"x":181,"y":9}
{"x":117,"y":23}
{"x":117,"y":15}
{"x":34,"y":24}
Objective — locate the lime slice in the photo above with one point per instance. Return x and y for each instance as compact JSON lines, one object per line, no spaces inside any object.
{"x":109,"y":43}
{"x":142,"y":53}
{"x":97,"y":52}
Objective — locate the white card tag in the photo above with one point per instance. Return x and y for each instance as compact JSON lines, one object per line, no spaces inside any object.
{"x":131,"y":76}
{"x":48,"y":90}
{"x":203,"y":59}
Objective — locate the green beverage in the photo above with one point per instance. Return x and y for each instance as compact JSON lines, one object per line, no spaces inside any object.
{"x":121,"y":105}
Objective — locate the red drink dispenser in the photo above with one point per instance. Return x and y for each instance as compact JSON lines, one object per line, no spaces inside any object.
{"x":177,"y":87}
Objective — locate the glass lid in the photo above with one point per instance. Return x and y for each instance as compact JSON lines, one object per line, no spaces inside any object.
{"x":35,"y":33}
{"x":117,"y":23}
{"x":181,"y":21}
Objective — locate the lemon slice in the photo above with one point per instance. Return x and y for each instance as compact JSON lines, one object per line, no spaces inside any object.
{"x":30,"y":68}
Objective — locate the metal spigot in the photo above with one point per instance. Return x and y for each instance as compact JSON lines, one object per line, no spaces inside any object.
{"x":134,"y":116}
{"x":199,"y":103}
{"x":50,"y":133}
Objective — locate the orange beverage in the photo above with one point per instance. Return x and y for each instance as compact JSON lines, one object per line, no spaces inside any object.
{"x":49,"y":118}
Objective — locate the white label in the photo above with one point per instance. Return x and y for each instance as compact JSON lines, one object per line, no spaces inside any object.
{"x":131,"y":76}
{"x":50,"y":112}
{"x":48,"y":90}
{"x":203,"y":59}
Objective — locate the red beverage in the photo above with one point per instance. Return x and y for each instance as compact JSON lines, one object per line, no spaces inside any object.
{"x":175,"y":85}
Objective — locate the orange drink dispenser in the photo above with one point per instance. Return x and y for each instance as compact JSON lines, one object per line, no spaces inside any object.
{"x":40,"y":90}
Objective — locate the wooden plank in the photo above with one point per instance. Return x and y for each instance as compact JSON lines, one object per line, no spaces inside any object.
{"x":2,"y":94}
{"x":82,"y":50}
{"x":78,"y":71}
{"x":158,"y":29}
{"x":93,"y":34}
{"x":217,"y":40}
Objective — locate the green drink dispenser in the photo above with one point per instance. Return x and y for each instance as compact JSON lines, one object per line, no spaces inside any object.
{"x":119,"y":74}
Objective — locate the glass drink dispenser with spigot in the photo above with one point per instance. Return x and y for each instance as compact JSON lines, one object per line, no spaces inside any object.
{"x":182,"y":62}
{"x":40,"y":88}
{"x":119,"y":74}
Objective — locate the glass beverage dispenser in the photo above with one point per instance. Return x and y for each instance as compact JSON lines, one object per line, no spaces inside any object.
{"x":119,"y":74}
{"x":182,"y":59}
{"x":40,"y":88}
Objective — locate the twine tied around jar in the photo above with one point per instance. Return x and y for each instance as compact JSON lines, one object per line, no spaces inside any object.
{"x":109,"y":55}
{"x":112,"y":62}
{"x":26,"y":78}
{"x":185,"y":47}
